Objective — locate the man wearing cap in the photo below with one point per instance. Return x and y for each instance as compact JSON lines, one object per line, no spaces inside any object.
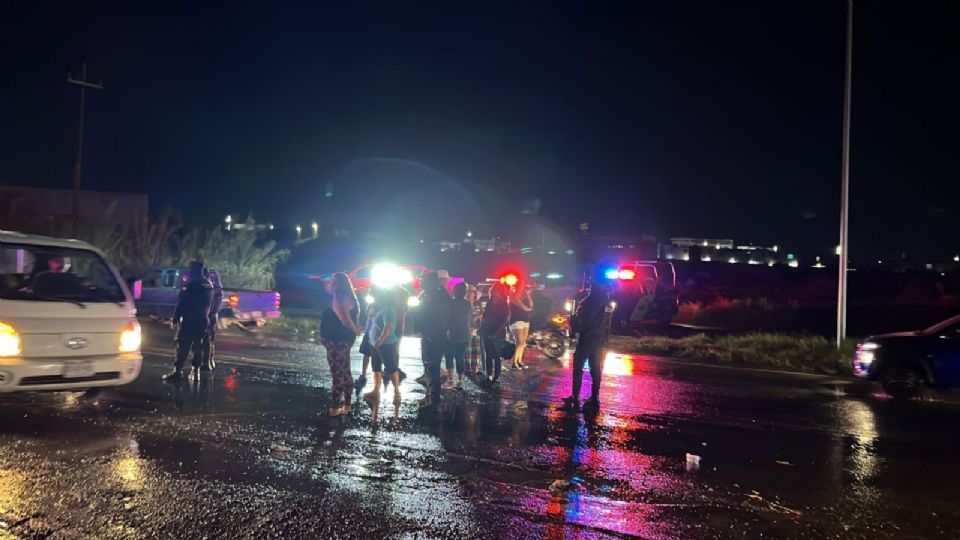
{"x":192,"y":319}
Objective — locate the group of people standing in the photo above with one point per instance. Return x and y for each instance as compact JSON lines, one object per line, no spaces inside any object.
{"x":195,"y":321}
{"x":462,"y":335}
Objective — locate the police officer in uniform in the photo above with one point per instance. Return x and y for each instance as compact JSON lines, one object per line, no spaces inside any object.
{"x":592,"y":322}
{"x":192,"y":319}
{"x":208,"y":362}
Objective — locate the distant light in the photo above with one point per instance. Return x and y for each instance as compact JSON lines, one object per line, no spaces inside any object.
{"x":793,"y":264}
{"x":535,"y":275}
{"x":554,"y":275}
{"x":299,"y":230}
{"x":476,"y":250}
{"x":569,"y":252}
{"x":929,"y":266}
{"x":751,"y":261}
{"x":469,"y":234}
{"x":732,"y":260}
{"x":837,"y":250}
{"x":791,"y":256}
{"x":551,"y":253}
{"x":686,"y":256}
{"x":819,"y":265}
{"x":705,"y":243}
{"x":771,"y":263}
{"x":270,"y":226}
{"x":706,"y":258}
{"x":421,"y":240}
{"x":956,"y":258}
{"x":669,"y":256}
{"x":776,"y":249}
{"x":228,"y":219}
{"x":879,"y":262}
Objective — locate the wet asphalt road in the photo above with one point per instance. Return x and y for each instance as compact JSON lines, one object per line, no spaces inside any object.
{"x":250,"y":455}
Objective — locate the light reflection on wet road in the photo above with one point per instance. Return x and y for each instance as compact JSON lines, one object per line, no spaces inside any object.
{"x":248,"y":455}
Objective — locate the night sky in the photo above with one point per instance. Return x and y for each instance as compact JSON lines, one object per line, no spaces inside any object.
{"x":718,"y":119}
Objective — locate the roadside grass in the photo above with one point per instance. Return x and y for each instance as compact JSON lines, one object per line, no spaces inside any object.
{"x":298,"y":325}
{"x":812,"y":354}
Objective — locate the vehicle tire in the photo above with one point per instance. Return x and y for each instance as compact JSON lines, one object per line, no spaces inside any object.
{"x":553,"y":345}
{"x":902,"y":382}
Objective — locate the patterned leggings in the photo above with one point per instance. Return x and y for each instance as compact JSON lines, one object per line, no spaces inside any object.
{"x":338,"y":357}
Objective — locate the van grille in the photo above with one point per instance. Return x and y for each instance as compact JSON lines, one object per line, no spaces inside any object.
{"x":60,"y":379}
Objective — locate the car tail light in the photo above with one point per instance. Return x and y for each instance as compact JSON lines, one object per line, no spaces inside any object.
{"x":9,"y":341}
{"x":626,"y":274}
{"x":276,"y":301}
{"x":130,"y":337}
{"x":234,"y":300}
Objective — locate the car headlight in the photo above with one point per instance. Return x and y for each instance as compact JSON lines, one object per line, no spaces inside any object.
{"x":9,"y":341}
{"x":131,"y":337}
{"x":369,"y":299}
{"x":413,"y":301}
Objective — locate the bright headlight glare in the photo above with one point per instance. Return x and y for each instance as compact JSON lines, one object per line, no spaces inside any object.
{"x":387,"y":276}
{"x":867,"y":357}
{"x":413,"y":301}
{"x":9,"y":340}
{"x":869,"y":346}
{"x":131,"y":337}
{"x":369,"y":299}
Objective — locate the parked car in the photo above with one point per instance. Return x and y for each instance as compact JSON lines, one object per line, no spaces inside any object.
{"x":67,"y":319}
{"x":160,"y":287}
{"x":903,"y":363}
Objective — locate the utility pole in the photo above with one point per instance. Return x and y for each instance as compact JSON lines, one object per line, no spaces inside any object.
{"x":83,"y":83}
{"x":845,"y":186}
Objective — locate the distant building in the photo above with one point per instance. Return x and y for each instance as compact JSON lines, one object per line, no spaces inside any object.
{"x":723,"y":250}
{"x":50,"y":211}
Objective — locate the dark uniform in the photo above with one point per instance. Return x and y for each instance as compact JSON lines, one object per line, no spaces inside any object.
{"x":192,"y":317}
{"x":592,"y":322}
{"x":209,"y":341}
{"x":432,"y":320}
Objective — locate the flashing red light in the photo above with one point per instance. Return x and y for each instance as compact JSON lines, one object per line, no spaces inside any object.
{"x":510,"y":280}
{"x":276,"y":301}
{"x":234,"y":300}
{"x":626,"y":274}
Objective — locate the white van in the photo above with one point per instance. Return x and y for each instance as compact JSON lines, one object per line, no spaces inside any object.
{"x":67,"y":319}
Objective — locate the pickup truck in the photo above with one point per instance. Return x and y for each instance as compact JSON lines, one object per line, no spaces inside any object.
{"x":160,"y":286}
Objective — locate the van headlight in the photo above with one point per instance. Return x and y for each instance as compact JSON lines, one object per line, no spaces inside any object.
{"x":131,"y":337}
{"x":9,"y":341}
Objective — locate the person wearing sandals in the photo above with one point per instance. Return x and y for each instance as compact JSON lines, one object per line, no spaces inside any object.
{"x":521,"y":308}
{"x":338,"y":332}
{"x":385,"y":345}
{"x":458,"y":335}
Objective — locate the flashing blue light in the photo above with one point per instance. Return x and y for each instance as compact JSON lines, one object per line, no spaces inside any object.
{"x":612,"y":273}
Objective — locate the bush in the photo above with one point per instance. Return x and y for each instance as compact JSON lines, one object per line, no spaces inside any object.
{"x":781,"y":351}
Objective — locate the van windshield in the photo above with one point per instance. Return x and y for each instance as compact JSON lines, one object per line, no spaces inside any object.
{"x":54,"y":274}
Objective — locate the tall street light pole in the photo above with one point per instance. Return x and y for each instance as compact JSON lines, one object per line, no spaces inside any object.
{"x":845,"y":185}
{"x":83,"y":83}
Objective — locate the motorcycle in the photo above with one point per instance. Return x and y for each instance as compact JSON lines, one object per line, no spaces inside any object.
{"x":551,"y":340}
